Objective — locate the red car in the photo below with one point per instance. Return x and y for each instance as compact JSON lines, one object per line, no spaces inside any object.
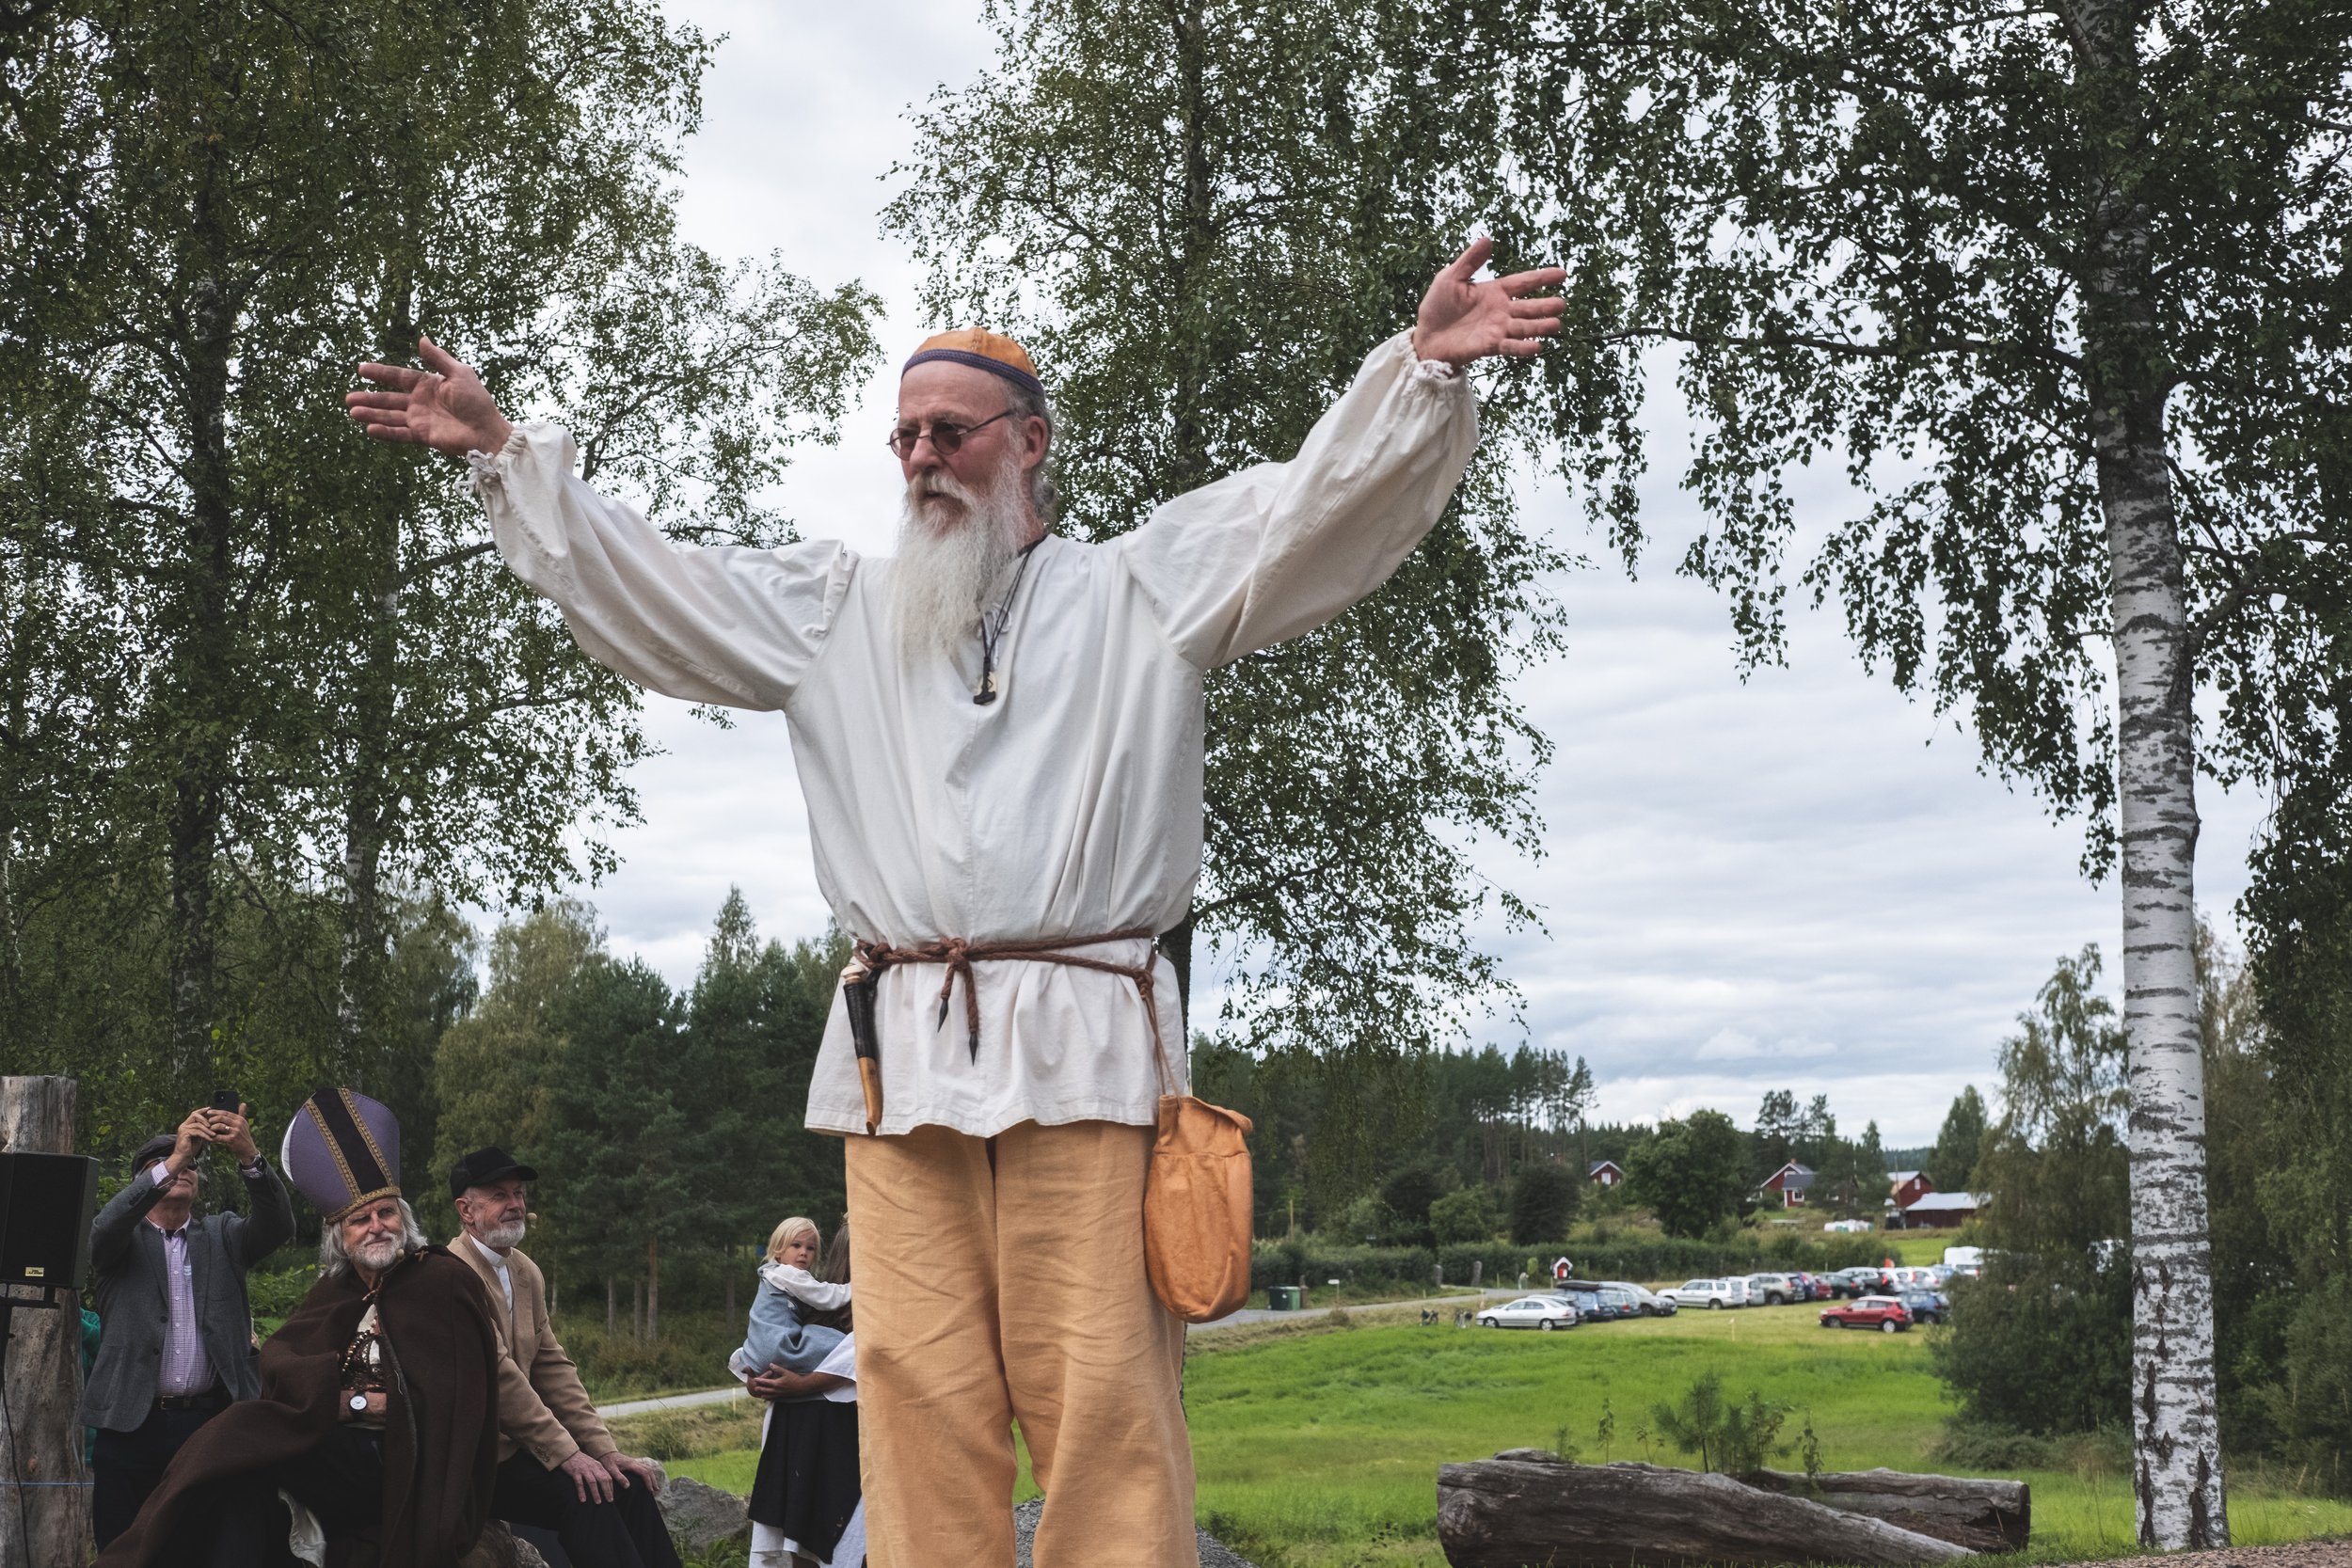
{"x":1884,"y":1313}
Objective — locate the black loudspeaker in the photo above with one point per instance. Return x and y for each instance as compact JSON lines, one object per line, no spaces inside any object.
{"x":47,"y":1202}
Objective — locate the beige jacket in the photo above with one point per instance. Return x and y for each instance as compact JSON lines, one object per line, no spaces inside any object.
{"x":543,"y":1407}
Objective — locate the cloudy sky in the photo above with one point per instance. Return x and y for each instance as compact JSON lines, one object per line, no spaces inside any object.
{"x":1799,"y":882}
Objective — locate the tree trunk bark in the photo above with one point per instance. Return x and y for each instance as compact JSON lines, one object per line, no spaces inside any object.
{"x":41,"y":1442}
{"x":612,"y":1308}
{"x":1517,"y":1509}
{"x":2175,"y":1433}
{"x":207,"y":706}
{"x":1981,"y":1515}
{"x":653,"y":1289}
{"x":370,"y":797}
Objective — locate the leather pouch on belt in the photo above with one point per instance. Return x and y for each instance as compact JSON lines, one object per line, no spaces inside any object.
{"x":1197,"y":1209}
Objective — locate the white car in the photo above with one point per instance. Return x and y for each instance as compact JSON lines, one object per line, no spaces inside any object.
{"x":1544,"y":1312}
{"x":1715,"y":1294}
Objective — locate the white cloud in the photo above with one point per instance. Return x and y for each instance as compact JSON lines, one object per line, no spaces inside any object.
{"x":1735,"y":874}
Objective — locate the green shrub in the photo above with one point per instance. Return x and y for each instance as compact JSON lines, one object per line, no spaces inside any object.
{"x":2041,"y":1350}
{"x":276,"y":1294}
{"x":1465,"y":1214}
{"x":692,"y":1353}
{"x":1972,"y":1446}
{"x":2311,"y":1405}
{"x":1728,"y":1437}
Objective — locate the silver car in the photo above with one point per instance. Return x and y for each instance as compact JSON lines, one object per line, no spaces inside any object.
{"x":1544,"y":1312}
{"x":1714,"y":1293}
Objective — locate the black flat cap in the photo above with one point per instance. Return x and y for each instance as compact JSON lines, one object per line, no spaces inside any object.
{"x":483,"y":1167}
{"x":153,"y":1150}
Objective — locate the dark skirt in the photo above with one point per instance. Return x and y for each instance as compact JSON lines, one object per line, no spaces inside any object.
{"x":807,"y":1482}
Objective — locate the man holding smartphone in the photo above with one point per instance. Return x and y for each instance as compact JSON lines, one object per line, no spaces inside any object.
{"x":175,"y":1332}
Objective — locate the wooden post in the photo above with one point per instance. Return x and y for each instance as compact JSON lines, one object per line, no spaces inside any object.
{"x":44,"y":1374}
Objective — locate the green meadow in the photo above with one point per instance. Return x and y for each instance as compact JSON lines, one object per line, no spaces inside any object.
{"x":1317,"y":1445}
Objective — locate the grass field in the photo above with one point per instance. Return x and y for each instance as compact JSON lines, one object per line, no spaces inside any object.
{"x":1317,"y":1446}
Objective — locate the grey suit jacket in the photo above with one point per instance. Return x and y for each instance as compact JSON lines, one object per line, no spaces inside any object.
{"x":127,"y":1274}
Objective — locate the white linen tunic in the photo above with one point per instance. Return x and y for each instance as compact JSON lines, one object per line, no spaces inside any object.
{"x":1071,"y":806}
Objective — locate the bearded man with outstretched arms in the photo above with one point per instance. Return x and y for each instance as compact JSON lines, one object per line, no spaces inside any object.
{"x":998,"y":733}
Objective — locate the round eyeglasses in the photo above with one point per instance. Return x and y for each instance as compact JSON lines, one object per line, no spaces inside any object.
{"x":946,"y":435}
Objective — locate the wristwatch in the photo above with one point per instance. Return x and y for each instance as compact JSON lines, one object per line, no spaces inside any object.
{"x":360,"y":1402}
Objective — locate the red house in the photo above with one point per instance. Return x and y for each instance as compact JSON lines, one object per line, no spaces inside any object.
{"x":1792,"y":1182}
{"x":1606,"y":1172}
{"x":1907,"y":1187}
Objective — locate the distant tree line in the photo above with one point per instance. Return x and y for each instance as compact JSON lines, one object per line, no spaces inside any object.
{"x":665,"y":1126}
{"x":1502,"y":1144}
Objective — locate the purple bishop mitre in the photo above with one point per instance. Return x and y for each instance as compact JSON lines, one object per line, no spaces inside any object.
{"x":342,"y":1149}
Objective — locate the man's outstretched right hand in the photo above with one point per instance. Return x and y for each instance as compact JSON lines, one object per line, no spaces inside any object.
{"x":444,"y":406}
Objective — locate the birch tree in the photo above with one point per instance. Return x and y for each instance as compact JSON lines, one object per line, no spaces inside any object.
{"x":249,"y":658}
{"x":2060,"y":285}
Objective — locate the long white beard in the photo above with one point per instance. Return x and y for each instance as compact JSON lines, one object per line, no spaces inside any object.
{"x":955,"y":546}
{"x":503,"y":1235}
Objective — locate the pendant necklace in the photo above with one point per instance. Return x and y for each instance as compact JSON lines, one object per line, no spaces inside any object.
{"x":985,"y":692}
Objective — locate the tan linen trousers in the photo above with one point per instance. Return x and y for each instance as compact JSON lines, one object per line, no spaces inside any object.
{"x":1002,"y":1279}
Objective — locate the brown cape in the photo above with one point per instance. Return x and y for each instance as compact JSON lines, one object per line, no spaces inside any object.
{"x":440,"y":1430}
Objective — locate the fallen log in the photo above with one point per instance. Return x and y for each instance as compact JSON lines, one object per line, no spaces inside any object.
{"x":1519,"y":1511}
{"x":1981,"y":1515}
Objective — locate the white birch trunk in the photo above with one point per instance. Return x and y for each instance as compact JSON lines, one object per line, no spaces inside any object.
{"x":2175,"y":1435}
{"x":2176,"y":1441}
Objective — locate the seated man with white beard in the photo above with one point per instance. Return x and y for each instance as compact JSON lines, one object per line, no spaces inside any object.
{"x":558,"y":1467}
{"x":374,"y":1437}
{"x":999,"y":735}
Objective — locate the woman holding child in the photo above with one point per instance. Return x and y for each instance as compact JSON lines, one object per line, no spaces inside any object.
{"x":797,"y":1354}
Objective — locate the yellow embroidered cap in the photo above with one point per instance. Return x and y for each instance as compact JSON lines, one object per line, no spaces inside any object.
{"x":982,"y":350}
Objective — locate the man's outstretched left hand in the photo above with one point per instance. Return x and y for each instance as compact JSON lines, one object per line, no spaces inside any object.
{"x":1462,"y":319}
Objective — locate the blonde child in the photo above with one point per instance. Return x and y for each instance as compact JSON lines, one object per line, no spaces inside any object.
{"x":789,"y":1294}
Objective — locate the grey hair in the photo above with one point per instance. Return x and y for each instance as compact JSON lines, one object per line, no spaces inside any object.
{"x":333,"y":1259}
{"x":1044,"y":494}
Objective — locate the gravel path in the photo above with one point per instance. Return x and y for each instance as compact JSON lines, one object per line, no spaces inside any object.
{"x":674,"y":1401}
{"x":2300,"y":1554}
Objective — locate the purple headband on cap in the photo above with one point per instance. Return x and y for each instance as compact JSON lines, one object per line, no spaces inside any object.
{"x":1013,"y":374}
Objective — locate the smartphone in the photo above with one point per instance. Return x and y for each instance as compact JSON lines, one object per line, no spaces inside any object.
{"x":226,"y":1100}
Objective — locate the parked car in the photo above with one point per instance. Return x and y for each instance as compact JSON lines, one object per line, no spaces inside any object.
{"x":1607,"y":1303}
{"x":1927,"y":1307}
{"x":1772,"y":1290}
{"x":1864,"y":1280}
{"x":1884,"y":1313}
{"x":1649,"y":1303}
{"x":1627,"y":1299}
{"x":1544,"y":1312}
{"x":1714,"y":1294}
{"x":1808,"y":1286}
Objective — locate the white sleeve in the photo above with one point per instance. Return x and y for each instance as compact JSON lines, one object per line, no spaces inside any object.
{"x":1280,"y":548}
{"x":734,"y":626}
{"x":807,"y":1289}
